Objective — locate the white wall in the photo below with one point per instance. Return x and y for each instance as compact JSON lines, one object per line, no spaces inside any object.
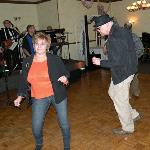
{"x":28,"y":14}
{"x":48,"y":14}
{"x":71,"y":17}
{"x":141,"y":17}
{"x":41,"y":15}
{"x":71,"y":13}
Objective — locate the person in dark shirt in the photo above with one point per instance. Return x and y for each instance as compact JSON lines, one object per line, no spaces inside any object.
{"x":122,"y":61}
{"x":1,"y":53}
{"x":134,"y":87}
{"x":52,"y":34}
{"x":9,"y":38}
{"x":54,"y":42}
{"x":27,"y":45}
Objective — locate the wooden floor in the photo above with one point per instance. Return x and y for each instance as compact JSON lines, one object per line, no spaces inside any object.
{"x":92,"y":117}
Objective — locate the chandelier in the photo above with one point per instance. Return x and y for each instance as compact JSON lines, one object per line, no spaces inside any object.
{"x":138,"y":5}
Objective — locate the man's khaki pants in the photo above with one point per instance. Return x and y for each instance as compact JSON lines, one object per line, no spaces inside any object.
{"x":120,"y":96}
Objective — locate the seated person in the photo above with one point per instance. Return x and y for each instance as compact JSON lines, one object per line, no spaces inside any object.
{"x":52,"y":34}
{"x":27,"y":45}
{"x":54,"y":43}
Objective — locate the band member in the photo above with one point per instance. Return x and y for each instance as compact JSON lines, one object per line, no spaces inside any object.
{"x":52,"y":34}
{"x":1,"y":49}
{"x":47,"y":76}
{"x":27,"y":45}
{"x":1,"y":53}
{"x":54,"y":42}
{"x":122,"y":61}
{"x":9,"y":37}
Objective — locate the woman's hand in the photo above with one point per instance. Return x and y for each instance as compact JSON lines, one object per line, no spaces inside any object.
{"x":96,"y":61}
{"x":64,"y":80}
{"x":17,"y":101}
{"x":1,"y":50}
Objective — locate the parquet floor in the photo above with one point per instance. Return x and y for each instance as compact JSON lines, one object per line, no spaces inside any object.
{"x":92,"y":117}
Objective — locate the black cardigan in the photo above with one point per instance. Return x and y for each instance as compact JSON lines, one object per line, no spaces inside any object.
{"x":56,"y":69}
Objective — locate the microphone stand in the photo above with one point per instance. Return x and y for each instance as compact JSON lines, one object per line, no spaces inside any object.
{"x":6,"y":71}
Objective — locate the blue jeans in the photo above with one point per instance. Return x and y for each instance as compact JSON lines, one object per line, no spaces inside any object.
{"x":39,"y":109}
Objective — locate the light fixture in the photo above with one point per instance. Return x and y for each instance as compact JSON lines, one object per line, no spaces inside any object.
{"x":138,"y":5}
{"x":132,"y":21}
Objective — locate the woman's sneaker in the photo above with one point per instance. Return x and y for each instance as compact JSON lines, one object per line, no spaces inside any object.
{"x":38,"y":147}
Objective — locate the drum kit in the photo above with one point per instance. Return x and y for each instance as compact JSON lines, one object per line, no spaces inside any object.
{"x":59,"y":38}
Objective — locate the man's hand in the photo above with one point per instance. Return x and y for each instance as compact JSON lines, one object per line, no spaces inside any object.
{"x":64,"y":80}
{"x":96,"y":61}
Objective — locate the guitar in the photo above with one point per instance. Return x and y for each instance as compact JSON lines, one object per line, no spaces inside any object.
{"x":10,"y":44}
{"x":7,"y":43}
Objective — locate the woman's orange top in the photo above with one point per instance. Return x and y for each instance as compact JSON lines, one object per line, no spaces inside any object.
{"x":39,"y":79}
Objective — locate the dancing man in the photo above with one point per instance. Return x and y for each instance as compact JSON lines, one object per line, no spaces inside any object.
{"x":122,"y":61}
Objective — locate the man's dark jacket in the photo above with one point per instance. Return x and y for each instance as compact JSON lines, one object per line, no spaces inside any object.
{"x":56,"y":69}
{"x":122,"y":59}
{"x":14,"y":33}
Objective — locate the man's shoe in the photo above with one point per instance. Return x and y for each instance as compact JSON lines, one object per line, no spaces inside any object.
{"x":120,"y":131}
{"x":137,"y":118}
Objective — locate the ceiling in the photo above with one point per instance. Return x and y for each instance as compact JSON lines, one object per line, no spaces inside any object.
{"x":40,"y":1}
{"x":23,"y":1}
{"x":105,"y":1}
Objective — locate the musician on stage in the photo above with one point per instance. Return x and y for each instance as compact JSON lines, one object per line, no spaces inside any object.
{"x":9,"y":38}
{"x":27,"y":45}
{"x":0,"y":43}
{"x":1,"y":52}
{"x":53,"y":37}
